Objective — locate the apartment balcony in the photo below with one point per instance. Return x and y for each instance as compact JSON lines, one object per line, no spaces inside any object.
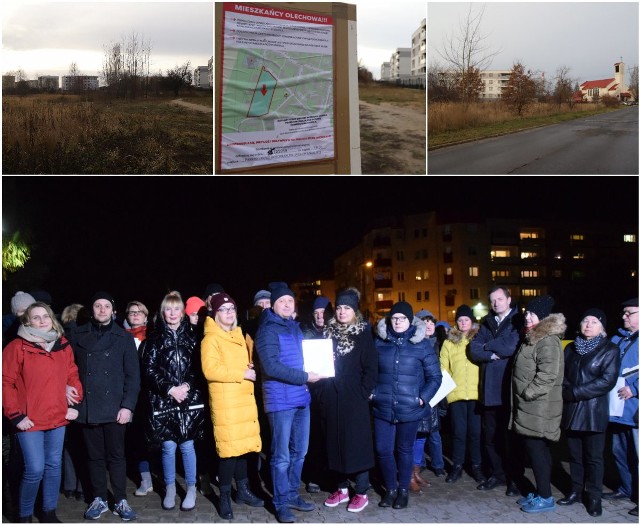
{"x":380,"y":242}
{"x":384,"y":305}
{"x":379,"y":284}
{"x":382,"y":263}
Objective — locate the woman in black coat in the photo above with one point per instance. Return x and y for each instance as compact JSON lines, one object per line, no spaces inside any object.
{"x":172,"y":378}
{"x":408,"y":377}
{"x":591,"y":366}
{"x":344,"y":402}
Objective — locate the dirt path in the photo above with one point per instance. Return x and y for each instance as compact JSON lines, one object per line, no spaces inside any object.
{"x":197,"y":107}
{"x":393,"y":139}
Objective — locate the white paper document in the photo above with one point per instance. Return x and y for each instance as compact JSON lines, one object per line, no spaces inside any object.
{"x":616,"y":405}
{"x":318,"y":356}
{"x":447,"y":386}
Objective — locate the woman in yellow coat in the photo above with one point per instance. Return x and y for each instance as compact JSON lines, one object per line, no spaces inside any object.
{"x":228,"y":368}
{"x":463,"y":400}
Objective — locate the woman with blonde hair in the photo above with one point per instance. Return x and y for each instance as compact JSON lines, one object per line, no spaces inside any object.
{"x":38,"y":370}
{"x":171,"y":375}
{"x":228,"y":368}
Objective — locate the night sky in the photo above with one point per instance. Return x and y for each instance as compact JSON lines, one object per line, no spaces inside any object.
{"x":141,"y":237}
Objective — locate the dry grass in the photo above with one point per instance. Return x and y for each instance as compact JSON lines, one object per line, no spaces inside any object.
{"x":55,"y":134}
{"x":377,"y":92}
{"x":447,"y":116}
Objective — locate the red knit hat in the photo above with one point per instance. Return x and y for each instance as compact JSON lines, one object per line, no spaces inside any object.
{"x":193,"y":305}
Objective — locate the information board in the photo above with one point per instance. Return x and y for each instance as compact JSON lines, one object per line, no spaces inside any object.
{"x":277,"y":86}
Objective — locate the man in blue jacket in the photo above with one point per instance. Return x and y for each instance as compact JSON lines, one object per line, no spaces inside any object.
{"x":624,"y":428}
{"x":286,"y":399}
{"x":492,"y":349}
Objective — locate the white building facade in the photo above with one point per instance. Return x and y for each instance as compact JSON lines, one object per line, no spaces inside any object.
{"x":401,"y":63}
{"x":419,"y":51}
{"x":494,"y":82}
{"x":613,"y":87}
{"x":201,"y":77}
{"x":80,"y":82}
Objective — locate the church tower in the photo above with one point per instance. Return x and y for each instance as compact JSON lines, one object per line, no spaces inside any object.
{"x":618,"y":69}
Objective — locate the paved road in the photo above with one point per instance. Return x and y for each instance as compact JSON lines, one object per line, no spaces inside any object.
{"x":602,"y":144}
{"x":441,"y":503}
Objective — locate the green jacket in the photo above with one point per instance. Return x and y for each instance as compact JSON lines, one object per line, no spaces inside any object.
{"x":536,"y":381}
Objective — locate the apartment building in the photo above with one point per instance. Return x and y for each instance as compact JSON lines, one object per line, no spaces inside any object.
{"x":439,"y":261}
{"x":385,"y":71}
{"x":79,"y":82}
{"x":210,"y":71}
{"x":401,"y":63}
{"x":49,"y":82}
{"x":494,"y":81}
{"x":419,"y":51}
{"x":201,"y":77}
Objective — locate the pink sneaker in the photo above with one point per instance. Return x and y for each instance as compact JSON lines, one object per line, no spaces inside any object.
{"x":359,"y":502}
{"x":336,"y":498}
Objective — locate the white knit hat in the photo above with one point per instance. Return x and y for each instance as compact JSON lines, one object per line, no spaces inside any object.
{"x":20,"y":302}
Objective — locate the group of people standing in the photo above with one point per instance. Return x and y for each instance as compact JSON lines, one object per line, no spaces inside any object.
{"x":197,"y":380}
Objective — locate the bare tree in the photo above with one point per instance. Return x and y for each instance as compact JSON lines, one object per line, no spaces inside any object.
{"x":179,"y":77}
{"x":563,"y":91}
{"x":469,"y":49}
{"x":441,"y":83}
{"x":125,"y":65}
{"x":520,"y":90}
{"x":633,"y":82}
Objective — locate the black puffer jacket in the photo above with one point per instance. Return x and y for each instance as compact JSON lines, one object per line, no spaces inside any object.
{"x":170,"y":358}
{"x":408,"y":370}
{"x":587,"y":381}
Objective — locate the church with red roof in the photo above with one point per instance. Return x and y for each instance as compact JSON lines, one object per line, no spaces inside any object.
{"x":614,"y":87}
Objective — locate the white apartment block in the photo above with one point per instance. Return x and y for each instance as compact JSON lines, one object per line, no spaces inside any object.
{"x":80,"y":82}
{"x":201,"y":77}
{"x":401,"y":63}
{"x":419,"y":50}
{"x":210,"y":71}
{"x":493,"y":82}
{"x":385,"y":71}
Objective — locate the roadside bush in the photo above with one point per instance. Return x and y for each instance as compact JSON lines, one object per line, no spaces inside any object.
{"x":609,"y":101}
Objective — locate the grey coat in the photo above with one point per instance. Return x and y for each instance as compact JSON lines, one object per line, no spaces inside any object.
{"x":536,"y":381}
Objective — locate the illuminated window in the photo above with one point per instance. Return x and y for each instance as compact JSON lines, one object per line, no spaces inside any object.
{"x":529,"y":273}
{"x":557,"y":255}
{"x":530,"y":292}
{"x":576,"y":237}
{"x":578,"y":275}
{"x":500,"y":273}
{"x":529,"y":235}
{"x":449,"y":270}
{"x":629,"y":238}
{"x":419,"y":275}
{"x":473,"y":271}
{"x":578,"y":255}
{"x":500,"y":253}
{"x":528,"y":255}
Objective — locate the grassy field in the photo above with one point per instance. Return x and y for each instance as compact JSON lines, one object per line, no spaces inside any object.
{"x":64,"y":134}
{"x":377,"y":92}
{"x":451,"y":122}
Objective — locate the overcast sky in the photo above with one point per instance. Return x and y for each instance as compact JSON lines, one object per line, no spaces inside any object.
{"x":588,"y":37}
{"x":44,"y":37}
{"x":381,"y":29}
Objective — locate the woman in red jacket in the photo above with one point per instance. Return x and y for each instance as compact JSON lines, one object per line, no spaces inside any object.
{"x":39,"y":380}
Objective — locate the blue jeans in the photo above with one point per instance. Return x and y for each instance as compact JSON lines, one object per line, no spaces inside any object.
{"x":169,"y":461}
{"x":42,"y":453}
{"x":418,"y":450}
{"x":435,"y":449}
{"x":392,"y":438}
{"x":625,"y":454}
{"x":289,"y":443}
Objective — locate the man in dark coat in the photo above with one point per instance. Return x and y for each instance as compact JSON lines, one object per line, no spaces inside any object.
{"x":492,"y":349}
{"x":108,"y":365}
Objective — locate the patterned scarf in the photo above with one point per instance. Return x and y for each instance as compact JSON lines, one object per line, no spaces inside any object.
{"x":584,"y":346}
{"x":343,"y":333}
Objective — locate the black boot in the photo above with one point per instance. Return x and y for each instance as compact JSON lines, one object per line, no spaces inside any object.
{"x":455,"y":474}
{"x":402,"y":500}
{"x":476,"y":474}
{"x":388,"y":498}
{"x":225,"y":503}
{"x":244,"y":494}
{"x":49,"y":516}
{"x":572,"y":498}
{"x":594,"y":506}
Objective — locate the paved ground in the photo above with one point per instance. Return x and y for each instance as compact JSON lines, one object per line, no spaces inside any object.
{"x":601,"y":144}
{"x":441,"y":503}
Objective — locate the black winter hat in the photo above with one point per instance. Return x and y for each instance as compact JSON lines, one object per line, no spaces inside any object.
{"x":404,"y":308}
{"x":630,"y":302}
{"x":464,"y":311}
{"x":348,"y":298}
{"x":213,"y":288}
{"x":541,"y":306}
{"x":279,"y":289}
{"x":597,"y":313}
{"x":103,"y":295}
